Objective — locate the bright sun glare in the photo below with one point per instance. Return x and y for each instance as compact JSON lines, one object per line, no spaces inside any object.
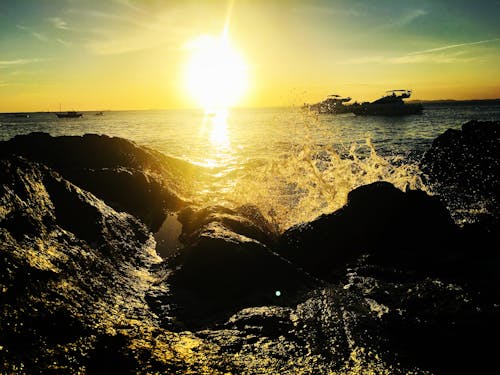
{"x":216,"y":75}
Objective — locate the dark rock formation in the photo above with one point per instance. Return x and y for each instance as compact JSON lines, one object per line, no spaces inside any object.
{"x":246,"y":220}
{"x":400,"y":289}
{"x":378,"y":219}
{"x":423,"y":320}
{"x":464,"y":168}
{"x":127,"y":177}
{"x":411,"y":283}
{"x":227,"y":263}
{"x":72,"y":268}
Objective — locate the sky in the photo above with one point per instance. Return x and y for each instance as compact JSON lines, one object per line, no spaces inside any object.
{"x":126,"y":54}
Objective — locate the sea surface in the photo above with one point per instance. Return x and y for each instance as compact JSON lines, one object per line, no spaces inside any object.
{"x":291,"y":163}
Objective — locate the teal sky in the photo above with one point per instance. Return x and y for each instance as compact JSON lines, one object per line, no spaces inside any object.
{"x":120,"y":54}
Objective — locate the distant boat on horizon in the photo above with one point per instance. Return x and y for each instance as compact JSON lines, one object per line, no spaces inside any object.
{"x":100,"y":113}
{"x":69,"y":114}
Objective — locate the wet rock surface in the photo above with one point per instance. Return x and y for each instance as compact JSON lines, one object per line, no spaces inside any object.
{"x":387,"y":284}
{"x":227,"y":263}
{"x":73,"y":270}
{"x":129,"y":178}
{"x":464,"y":167}
{"x":397,"y":227}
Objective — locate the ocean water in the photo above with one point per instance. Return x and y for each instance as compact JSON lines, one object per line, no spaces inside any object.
{"x":291,"y":163}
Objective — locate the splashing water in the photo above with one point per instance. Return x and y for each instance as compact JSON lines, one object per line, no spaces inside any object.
{"x":311,"y":178}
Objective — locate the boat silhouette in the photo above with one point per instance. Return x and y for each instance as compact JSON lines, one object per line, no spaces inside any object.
{"x":391,"y":104}
{"x":69,"y":114}
{"x":333,"y":104}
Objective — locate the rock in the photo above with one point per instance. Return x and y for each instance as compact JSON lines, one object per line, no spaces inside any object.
{"x":226,"y":264}
{"x":82,"y":290}
{"x":463,"y":166}
{"x":271,"y":321}
{"x":246,"y":220}
{"x":409,"y":228}
{"x":72,"y":268}
{"x":130,"y":178}
{"x":420,"y":320}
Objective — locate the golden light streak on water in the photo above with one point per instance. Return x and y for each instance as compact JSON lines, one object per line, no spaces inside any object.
{"x":219,"y":137}
{"x":215,"y":135}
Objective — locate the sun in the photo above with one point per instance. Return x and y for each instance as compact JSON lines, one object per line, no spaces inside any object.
{"x":216,"y":74}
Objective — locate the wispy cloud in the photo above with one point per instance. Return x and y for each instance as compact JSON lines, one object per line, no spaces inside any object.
{"x":403,"y":20}
{"x":58,"y":23}
{"x":124,"y":44}
{"x":128,"y":33}
{"x":409,"y":17}
{"x":128,"y":4}
{"x":41,"y":37}
{"x":451,"y":46}
{"x":441,"y":58}
{"x":325,"y":10}
{"x":438,"y":55}
{"x":20,"y":61}
{"x":64,"y":42}
{"x":110,"y":17}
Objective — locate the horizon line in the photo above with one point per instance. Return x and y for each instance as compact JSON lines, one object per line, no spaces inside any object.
{"x":237,"y":108}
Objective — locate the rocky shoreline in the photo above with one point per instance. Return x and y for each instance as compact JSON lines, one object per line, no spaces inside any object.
{"x":389,"y":283}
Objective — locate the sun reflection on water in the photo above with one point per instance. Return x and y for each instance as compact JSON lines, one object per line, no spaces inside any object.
{"x":219,"y":157}
{"x":219,"y":137}
{"x":215,"y":132}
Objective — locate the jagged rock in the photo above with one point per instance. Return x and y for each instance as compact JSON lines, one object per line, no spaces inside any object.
{"x":398,"y":227}
{"x":271,"y":321}
{"x":226,"y":264}
{"x":246,"y":220}
{"x":72,"y":268}
{"x":129,"y":178}
{"x":422,"y":320}
{"x":464,"y":168}
{"x":82,"y":290}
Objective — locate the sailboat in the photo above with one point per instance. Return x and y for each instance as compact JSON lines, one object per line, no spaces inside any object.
{"x":68,"y":114}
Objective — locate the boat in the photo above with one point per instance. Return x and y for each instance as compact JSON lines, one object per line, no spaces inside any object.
{"x":333,"y":104}
{"x":99,"y":113}
{"x":23,"y":115}
{"x":69,"y":114}
{"x":391,"y":104}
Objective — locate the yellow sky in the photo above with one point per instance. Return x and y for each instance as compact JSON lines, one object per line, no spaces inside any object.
{"x":123,"y":54}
